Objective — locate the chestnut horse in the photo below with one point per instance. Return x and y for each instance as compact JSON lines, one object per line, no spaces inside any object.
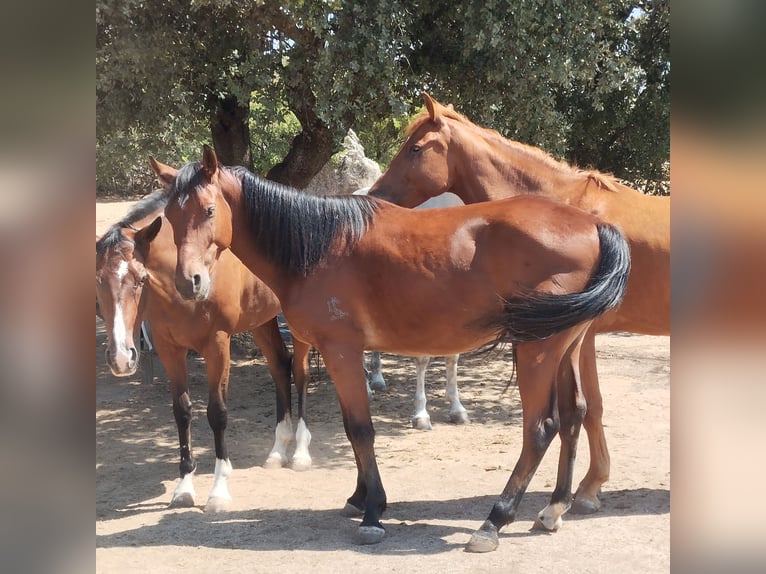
{"x":135,"y":270}
{"x":527,"y":270}
{"x":443,"y":151}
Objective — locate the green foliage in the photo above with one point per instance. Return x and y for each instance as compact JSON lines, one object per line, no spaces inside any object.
{"x":381,"y":139}
{"x":122,"y":156}
{"x":588,"y":82}
{"x":270,"y":138}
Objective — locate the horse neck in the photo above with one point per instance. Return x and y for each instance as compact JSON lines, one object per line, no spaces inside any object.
{"x":160,"y":262}
{"x":245,"y":247}
{"x":494,"y":168}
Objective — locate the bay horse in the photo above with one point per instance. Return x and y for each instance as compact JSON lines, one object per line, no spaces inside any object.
{"x":135,"y":271}
{"x":421,"y":419}
{"x":445,"y":152}
{"x":526,"y":270}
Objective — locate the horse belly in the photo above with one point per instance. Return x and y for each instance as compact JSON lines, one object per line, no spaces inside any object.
{"x":429,"y":321}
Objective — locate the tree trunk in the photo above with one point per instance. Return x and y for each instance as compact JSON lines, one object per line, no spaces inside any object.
{"x":231,"y":133}
{"x":309,"y":151}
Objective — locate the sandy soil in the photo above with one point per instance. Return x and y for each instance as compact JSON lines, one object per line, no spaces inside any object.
{"x":440,"y":484}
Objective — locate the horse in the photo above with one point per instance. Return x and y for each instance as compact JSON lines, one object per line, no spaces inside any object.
{"x":445,"y":152}
{"x":529,"y":270}
{"x":135,"y":270}
{"x":421,"y":419}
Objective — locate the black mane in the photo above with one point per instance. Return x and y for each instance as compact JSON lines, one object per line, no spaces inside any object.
{"x":148,"y":205}
{"x":295,"y":229}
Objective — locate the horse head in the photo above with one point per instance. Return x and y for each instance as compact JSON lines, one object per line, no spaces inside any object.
{"x":422,"y":167}
{"x":120,"y":278}
{"x":200,"y":218}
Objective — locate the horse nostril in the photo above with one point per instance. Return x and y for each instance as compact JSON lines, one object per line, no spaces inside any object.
{"x":197,"y":279}
{"x":133,"y":356}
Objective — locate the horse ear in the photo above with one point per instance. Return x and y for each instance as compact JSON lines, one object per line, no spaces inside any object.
{"x":145,"y":235}
{"x":432,"y":106}
{"x":209,"y":161}
{"x":166,"y":175}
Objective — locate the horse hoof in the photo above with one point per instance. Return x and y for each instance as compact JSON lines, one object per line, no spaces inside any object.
{"x":421,"y":423}
{"x":274,"y":461}
{"x":301,"y":464}
{"x":370,"y":534}
{"x":583,"y":505}
{"x":183,"y":500}
{"x":217,"y":504}
{"x":351,"y":511}
{"x":545,"y":524}
{"x":483,"y":541}
{"x":459,"y":418}
{"x":377,"y":385}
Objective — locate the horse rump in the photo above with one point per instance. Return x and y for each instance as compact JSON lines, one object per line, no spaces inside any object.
{"x":534,"y":315}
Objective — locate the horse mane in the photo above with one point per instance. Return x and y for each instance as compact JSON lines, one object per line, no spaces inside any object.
{"x":295,"y":229}
{"x":298,"y":229}
{"x":150,"y":204}
{"x":607,"y":181}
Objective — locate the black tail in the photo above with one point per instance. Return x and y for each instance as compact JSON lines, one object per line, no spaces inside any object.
{"x":534,"y":316}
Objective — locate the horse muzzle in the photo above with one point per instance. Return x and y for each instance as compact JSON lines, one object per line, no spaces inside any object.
{"x":194,"y":285}
{"x":122,"y":360}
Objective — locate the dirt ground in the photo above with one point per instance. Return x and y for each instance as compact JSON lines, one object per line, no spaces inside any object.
{"x":440,"y":484}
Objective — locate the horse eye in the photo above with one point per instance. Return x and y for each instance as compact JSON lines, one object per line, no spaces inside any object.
{"x":415,"y":148}
{"x":211,"y":211}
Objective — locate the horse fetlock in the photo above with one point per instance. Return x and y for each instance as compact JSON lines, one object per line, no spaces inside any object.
{"x":183,"y":495}
{"x":219,"y":497}
{"x":275,"y":460}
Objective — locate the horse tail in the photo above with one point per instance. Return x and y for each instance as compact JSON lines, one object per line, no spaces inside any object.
{"x":533,"y":316}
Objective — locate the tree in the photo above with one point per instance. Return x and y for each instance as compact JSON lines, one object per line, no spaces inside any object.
{"x":160,"y":60}
{"x":586,"y":81}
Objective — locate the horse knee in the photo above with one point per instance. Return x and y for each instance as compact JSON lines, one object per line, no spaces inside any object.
{"x":543,"y":433}
{"x":217,"y":416}
{"x":361,"y":433}
{"x":182,"y":412}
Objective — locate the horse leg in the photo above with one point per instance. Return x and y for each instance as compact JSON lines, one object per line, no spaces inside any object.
{"x":586,"y":498}
{"x":367,"y":377}
{"x":342,"y":364}
{"x":457,"y":413}
{"x":537,"y":364}
{"x":269,"y":341}
{"x":173,"y":358}
{"x":301,"y":458}
{"x":377,"y":382}
{"x":217,"y":367}
{"x":572,"y":407}
{"x":421,"y":419}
